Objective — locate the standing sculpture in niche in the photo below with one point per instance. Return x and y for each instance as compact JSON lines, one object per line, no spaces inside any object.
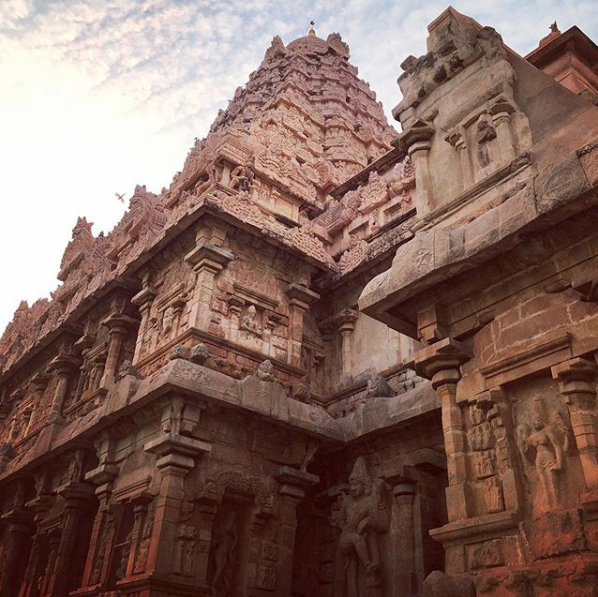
{"x":225,"y":541}
{"x":484,"y":134}
{"x":545,"y":444}
{"x":364,"y":515}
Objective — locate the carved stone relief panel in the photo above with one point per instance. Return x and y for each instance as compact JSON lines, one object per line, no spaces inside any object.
{"x":546,"y":447}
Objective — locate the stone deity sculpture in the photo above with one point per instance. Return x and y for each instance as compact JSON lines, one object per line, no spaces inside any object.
{"x":484,"y":134}
{"x":363,"y":516}
{"x":225,"y":541}
{"x":250,"y":322}
{"x":545,"y":445}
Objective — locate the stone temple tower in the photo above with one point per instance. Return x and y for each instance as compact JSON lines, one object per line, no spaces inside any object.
{"x":330,"y":359}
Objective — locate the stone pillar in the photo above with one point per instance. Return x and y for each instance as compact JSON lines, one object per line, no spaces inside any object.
{"x":403,"y":523}
{"x":300,"y":298}
{"x":20,"y":529}
{"x":459,"y":142}
{"x":235,"y":305}
{"x":39,"y":383}
{"x":418,"y":141}
{"x":176,"y":457}
{"x":577,"y":379}
{"x":39,"y":505}
{"x":66,"y":368}
{"x":501,"y":118}
{"x":103,"y":477}
{"x":440,"y":362}
{"x":78,"y":499}
{"x":208,"y":509}
{"x":143,"y":300}
{"x":293,"y":483}
{"x":118,"y":325}
{"x":207,"y":261}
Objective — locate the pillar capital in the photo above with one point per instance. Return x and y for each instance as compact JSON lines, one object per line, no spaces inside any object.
{"x":575,"y":375}
{"x":441,"y":361}
{"x":208,"y":256}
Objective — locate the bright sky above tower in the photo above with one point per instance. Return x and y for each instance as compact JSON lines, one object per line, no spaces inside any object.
{"x":99,"y":95}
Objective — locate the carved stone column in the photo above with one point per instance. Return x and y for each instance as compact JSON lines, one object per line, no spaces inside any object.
{"x":207,"y":261}
{"x":577,"y":384}
{"x":143,"y":300}
{"x":418,"y":141}
{"x":119,"y":325}
{"x":102,"y":477}
{"x":458,"y":140}
{"x":39,"y":506}
{"x":235,"y":305}
{"x":501,"y":118}
{"x":176,"y":457}
{"x":441,"y":363}
{"x":300,"y":298}
{"x":66,"y":368}
{"x":39,"y":383}
{"x":20,"y":529}
{"x":293,"y":483}
{"x":78,"y":499}
{"x":403,"y":523}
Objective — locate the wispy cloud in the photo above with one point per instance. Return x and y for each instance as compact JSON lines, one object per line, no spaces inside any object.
{"x":98,"y":95}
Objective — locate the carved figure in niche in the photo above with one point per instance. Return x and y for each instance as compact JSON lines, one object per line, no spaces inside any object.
{"x":103,"y":549}
{"x":545,"y":445}
{"x":167,"y":322}
{"x":126,"y":369}
{"x":363,"y":516}
{"x":75,"y":473}
{"x":250,"y":322}
{"x":241,"y":178}
{"x":186,"y":540}
{"x":484,"y":134}
{"x":225,"y":540}
{"x":481,"y":442}
{"x":144,"y":545}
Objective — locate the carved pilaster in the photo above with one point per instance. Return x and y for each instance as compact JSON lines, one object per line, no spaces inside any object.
{"x":441,"y":362}
{"x":20,"y":529}
{"x":418,"y":141}
{"x":119,"y":326}
{"x":78,"y":498}
{"x":207,"y":261}
{"x":300,"y":298}
{"x":66,"y":367}
{"x":577,"y":379}
{"x":143,"y":300}
{"x":176,"y":450}
{"x":293,"y":484}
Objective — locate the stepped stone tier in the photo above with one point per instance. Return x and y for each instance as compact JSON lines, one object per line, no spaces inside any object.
{"x":330,"y":360}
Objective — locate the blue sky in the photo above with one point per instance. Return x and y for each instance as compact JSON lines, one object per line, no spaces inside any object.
{"x":99,"y":95}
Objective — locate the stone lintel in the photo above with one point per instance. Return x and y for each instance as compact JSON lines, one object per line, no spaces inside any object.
{"x":75,"y":490}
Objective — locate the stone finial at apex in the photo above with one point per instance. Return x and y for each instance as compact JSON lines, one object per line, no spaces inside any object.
{"x":312,"y":31}
{"x":554,"y":32}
